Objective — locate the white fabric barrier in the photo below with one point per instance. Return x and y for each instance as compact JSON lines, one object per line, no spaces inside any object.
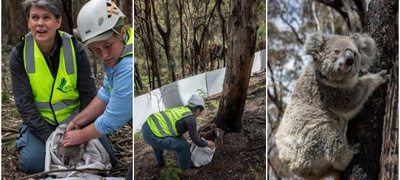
{"x":259,"y":62}
{"x":143,"y":108}
{"x":215,"y":81}
{"x":178,"y":93}
{"x":192,"y":85}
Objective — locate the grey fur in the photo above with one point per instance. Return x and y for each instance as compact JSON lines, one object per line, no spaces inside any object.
{"x":70,"y":155}
{"x":311,"y":137}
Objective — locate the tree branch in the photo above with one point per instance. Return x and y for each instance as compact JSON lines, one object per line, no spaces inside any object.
{"x":41,"y":174}
{"x":293,"y":29}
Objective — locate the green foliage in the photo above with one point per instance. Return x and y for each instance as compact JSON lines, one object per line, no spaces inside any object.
{"x":196,"y":15}
{"x":8,"y":145}
{"x":202,"y":92}
{"x":255,"y":170}
{"x":170,"y":172}
{"x":15,"y":113}
{"x":138,"y":136}
{"x":214,"y":103}
{"x":201,"y":119}
{"x":212,"y":108}
{"x":4,"y":96}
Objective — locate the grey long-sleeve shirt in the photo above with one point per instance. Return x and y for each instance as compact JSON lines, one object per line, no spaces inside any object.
{"x":189,"y":124}
{"x":22,"y":88}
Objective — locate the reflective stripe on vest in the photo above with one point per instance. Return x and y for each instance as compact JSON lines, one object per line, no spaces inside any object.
{"x":130,"y":35}
{"x":125,"y":52}
{"x":163,"y":124}
{"x":57,"y":99}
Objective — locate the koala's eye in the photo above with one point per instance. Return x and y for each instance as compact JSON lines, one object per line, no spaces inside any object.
{"x":337,"y":51}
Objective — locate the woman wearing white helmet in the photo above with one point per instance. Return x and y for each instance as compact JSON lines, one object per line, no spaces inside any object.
{"x":99,"y":19}
{"x":163,"y":131}
{"x":51,"y":81}
{"x":111,"y":109}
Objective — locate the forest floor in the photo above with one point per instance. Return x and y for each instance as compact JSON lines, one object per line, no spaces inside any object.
{"x":240,"y":156}
{"x":11,"y":122}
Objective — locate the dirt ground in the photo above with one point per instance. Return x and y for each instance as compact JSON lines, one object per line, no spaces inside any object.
{"x":11,"y":122}
{"x":240,"y":156}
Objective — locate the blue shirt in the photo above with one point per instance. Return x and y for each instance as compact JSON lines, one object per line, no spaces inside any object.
{"x":119,"y":98}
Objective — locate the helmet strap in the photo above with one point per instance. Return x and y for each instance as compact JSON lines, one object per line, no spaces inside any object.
{"x":119,"y":34}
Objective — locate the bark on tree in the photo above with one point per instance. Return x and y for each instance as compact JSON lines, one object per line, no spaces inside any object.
{"x":223,"y":31}
{"x":67,"y":20}
{"x":180,"y":7}
{"x":351,"y":11}
{"x":151,"y":46}
{"x":14,"y":22}
{"x":165,"y":34}
{"x":375,"y":128}
{"x":241,"y":48}
{"x":201,"y":35}
{"x":138,"y":79}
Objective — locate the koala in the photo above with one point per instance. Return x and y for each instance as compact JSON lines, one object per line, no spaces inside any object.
{"x":70,"y":155}
{"x":214,"y":134}
{"x":311,"y":137}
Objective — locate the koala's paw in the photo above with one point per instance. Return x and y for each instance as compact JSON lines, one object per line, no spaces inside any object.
{"x":355,"y":148}
{"x":384,"y":76}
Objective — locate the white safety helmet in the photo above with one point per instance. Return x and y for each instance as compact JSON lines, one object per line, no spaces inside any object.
{"x":196,"y":100}
{"x":97,"y":17}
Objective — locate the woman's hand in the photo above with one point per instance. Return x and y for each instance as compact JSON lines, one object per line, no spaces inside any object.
{"x":72,"y":125}
{"x":72,"y":137}
{"x":189,"y":142}
{"x":210,"y":144}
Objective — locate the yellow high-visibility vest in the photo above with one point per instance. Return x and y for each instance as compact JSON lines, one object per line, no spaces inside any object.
{"x":57,"y":99}
{"x":126,"y":52}
{"x":163,"y":124}
{"x":130,"y":34}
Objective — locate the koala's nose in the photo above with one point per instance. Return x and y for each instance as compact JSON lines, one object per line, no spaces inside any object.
{"x":66,"y":160}
{"x":349,"y":57}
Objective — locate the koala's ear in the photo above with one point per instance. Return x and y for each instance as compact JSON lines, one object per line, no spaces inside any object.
{"x":314,"y":44}
{"x":366,"y":46}
{"x":213,"y":126}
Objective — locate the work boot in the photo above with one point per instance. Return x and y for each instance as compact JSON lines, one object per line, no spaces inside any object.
{"x":189,"y":172}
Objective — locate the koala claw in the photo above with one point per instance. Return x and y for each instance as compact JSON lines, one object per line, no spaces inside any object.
{"x":355,"y":148}
{"x":382,"y":72}
{"x":384,"y":75}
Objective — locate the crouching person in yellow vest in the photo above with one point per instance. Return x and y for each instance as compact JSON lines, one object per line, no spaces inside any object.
{"x":51,"y":81}
{"x":163,"y":131}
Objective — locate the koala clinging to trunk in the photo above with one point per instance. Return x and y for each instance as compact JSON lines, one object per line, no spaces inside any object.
{"x":311,"y":137}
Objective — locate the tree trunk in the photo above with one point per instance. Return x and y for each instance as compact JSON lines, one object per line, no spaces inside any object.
{"x":181,"y":4}
{"x":223,"y":32}
{"x":388,"y":10}
{"x":165,"y":34}
{"x":138,"y":79}
{"x":374,"y":128}
{"x":151,"y":45}
{"x":14,"y":22}
{"x":67,"y":21}
{"x":242,"y":42}
{"x":349,"y":10}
